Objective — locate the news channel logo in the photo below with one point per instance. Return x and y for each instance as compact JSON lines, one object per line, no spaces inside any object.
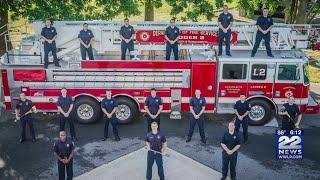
{"x":289,"y":144}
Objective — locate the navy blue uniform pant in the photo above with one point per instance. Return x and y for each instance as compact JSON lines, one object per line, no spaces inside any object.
{"x":150,"y":120}
{"x":227,"y":37}
{"x":244,"y":123}
{"x":71,"y":124}
{"x":174,"y":48}
{"x":47,"y":48}
{"x":23,"y":122}
{"x":84,"y":51}
{"x":124,"y":47}
{"x":193,"y":122}
{"x":259,"y":37}
{"x":152,"y":156}
{"x":62,"y":168}
{"x":114,"y":124}
{"x":226,"y":160}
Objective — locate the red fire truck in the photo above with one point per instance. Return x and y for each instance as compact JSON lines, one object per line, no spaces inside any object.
{"x":267,"y":82}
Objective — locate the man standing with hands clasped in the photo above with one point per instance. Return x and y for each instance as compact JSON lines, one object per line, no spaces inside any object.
{"x":153,"y":106}
{"x":242,"y":110}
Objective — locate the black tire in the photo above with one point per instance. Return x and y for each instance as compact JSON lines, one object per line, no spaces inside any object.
{"x":125,"y":104}
{"x":93,"y":106}
{"x":267,"y":109}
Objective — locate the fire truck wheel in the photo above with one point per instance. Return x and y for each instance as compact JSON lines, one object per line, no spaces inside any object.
{"x":87,"y":110}
{"x":126,"y":111}
{"x":260,"y":112}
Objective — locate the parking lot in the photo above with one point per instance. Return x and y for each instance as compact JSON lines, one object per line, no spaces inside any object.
{"x":255,"y":161}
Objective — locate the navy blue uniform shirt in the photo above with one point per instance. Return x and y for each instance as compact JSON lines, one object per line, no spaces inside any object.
{"x":153,"y":104}
{"x":127,"y":32}
{"x":24,"y":106}
{"x":225,"y":19}
{"x":264,"y":22}
{"x":65,"y":103}
{"x":242,"y":108}
{"x":197,"y":104}
{"x":63,"y":149}
{"x":86,"y":36}
{"x":293,"y":110}
{"x":231,"y":140}
{"x":172,"y":33}
{"x":109,"y":104}
{"x":48,"y":33}
{"x":156,"y":140}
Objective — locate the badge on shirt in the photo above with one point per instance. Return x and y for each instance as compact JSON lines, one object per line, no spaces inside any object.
{"x":27,"y":103}
{"x":68,"y":145}
{"x":175,"y":31}
{"x":52,"y":30}
{"x":158,"y":136}
{"x":129,"y":29}
{"x":89,"y":34}
{"x":234,"y":137}
{"x":229,"y":17}
{"x":269,"y":19}
{"x":200,"y":101}
{"x":157,"y":100}
{"x":111,"y":102}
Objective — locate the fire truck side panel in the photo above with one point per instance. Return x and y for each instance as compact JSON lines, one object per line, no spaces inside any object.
{"x":6,"y":88}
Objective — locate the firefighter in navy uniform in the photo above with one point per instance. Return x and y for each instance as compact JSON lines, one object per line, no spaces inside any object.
{"x":242,"y":109}
{"x":230,"y":144}
{"x":264,"y":25}
{"x":65,"y":106}
{"x":49,"y":34}
{"x":172,"y":36}
{"x":153,"y":107}
{"x":289,"y":111}
{"x":156,"y":146}
{"x":23,"y":107}
{"x":126,"y":35}
{"x":63,"y":150}
{"x":225,"y":22}
{"x":109,"y":107}
{"x":86,"y":37}
{"x":197,"y":108}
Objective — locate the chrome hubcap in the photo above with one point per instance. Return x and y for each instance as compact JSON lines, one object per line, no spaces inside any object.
{"x":257,"y":113}
{"x":123,"y":112}
{"x":85,"y":111}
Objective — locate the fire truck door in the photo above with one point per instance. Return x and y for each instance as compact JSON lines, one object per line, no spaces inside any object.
{"x":288,"y":82}
{"x":233,"y":81}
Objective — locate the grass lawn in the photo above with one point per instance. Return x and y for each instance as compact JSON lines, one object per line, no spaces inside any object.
{"x":313,"y":69}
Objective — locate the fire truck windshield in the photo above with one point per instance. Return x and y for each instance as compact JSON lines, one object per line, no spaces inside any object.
{"x":305,"y":74}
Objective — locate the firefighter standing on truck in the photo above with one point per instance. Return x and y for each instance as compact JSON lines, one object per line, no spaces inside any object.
{"x":289,"y":111}
{"x":264,"y":25}
{"x":156,"y":146}
{"x":109,"y":107}
{"x":49,"y":34}
{"x":197,"y":108}
{"x":65,"y":106}
{"x":242,"y":110}
{"x":230,"y":144}
{"x":172,"y":36}
{"x":86,"y":37}
{"x":63,"y":150}
{"x":153,"y":106}
{"x":126,"y":35}
{"x":225,"y":21}
{"x":23,"y":111}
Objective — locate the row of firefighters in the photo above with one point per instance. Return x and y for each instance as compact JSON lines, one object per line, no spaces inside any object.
{"x":155,"y":139}
{"x":127,"y":32}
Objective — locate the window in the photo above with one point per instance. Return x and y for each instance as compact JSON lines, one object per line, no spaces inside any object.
{"x":288,"y":72}
{"x":305,"y":74}
{"x":259,"y":72}
{"x":234,"y":71}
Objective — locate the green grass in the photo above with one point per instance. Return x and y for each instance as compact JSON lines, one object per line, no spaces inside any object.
{"x":313,"y":69}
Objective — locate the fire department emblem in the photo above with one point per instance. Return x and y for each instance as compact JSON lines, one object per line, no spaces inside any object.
{"x":145,"y":36}
{"x":158,"y":136}
{"x":288,"y":93}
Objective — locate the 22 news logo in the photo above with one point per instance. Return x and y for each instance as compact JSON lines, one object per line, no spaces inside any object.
{"x":289,"y":144}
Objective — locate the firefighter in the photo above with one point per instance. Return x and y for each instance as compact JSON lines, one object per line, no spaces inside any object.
{"x":172,"y":36}
{"x":153,"y":107}
{"x":126,"y":35}
{"x":289,"y":111}
{"x":65,"y":106}
{"x":197,"y":108}
{"x":23,"y":111}
{"x":156,"y":146}
{"x":63,"y":150}
{"x":230,"y":144}
{"x":242,"y":109}
{"x":49,"y":34}
{"x":264,"y":25}
{"x":86,"y":37}
{"x":109,"y":107}
{"x":225,"y":22}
